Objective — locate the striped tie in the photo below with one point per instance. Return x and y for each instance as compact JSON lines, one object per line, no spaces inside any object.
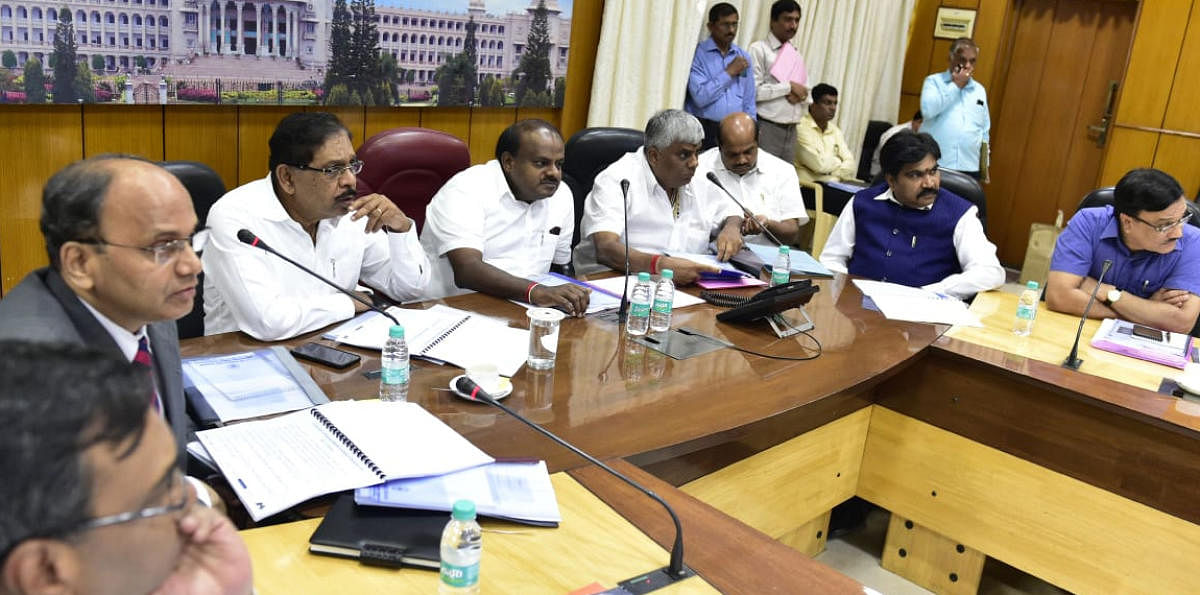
{"x":143,"y":358}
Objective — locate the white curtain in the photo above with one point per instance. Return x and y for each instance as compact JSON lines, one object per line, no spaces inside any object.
{"x":646,"y":50}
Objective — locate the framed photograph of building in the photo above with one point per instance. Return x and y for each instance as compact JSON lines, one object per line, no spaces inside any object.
{"x":295,"y":52}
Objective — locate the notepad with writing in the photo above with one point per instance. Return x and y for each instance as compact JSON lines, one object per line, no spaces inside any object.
{"x":442,"y":334}
{"x":380,"y":536}
{"x":276,"y":463}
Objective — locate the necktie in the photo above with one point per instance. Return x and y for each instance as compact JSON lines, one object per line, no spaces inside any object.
{"x":143,"y":358}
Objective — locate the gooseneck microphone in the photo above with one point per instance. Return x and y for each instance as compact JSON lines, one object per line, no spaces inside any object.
{"x":676,"y":570}
{"x":1073,"y":362}
{"x":623,"y":311}
{"x":712,"y":177}
{"x":247,"y":237}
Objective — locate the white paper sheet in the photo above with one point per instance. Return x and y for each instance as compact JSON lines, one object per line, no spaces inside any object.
{"x":899,"y":302}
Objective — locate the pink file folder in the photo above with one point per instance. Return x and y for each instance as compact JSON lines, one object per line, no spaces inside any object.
{"x":789,"y":66}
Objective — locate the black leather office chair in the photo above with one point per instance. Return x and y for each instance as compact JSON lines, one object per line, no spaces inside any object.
{"x":875,"y":129}
{"x":968,"y":188}
{"x":205,"y":186}
{"x":588,"y":152}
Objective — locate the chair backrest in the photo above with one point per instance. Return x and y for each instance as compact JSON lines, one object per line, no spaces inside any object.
{"x":966,"y":187}
{"x":875,"y":130}
{"x":205,"y":186}
{"x":1104,"y":196}
{"x":588,"y":152}
{"x":409,"y":166}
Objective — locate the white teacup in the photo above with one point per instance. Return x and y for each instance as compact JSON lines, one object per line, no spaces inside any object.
{"x":1190,"y":379}
{"x":486,"y":376}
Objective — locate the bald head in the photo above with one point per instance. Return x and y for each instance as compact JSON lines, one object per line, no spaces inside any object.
{"x":738,"y":143}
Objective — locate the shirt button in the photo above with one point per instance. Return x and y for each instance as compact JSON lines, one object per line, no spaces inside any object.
{"x":889,"y":252}
{"x":895,"y":231}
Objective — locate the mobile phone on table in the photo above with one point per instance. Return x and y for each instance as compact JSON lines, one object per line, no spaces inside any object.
{"x":1146,"y":332}
{"x":324,"y":354}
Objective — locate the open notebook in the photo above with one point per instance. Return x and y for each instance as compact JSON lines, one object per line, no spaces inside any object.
{"x":276,"y":463}
{"x":441,"y":334}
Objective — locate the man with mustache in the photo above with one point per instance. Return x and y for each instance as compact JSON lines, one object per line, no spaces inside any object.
{"x":121,"y":236}
{"x":667,"y":212}
{"x":495,"y":227}
{"x":911,"y":231}
{"x":307,"y":209}
{"x":721,"y":81}
{"x":1155,"y":274}
{"x":780,"y":104}
{"x":956,"y":111}
{"x":762,"y":182}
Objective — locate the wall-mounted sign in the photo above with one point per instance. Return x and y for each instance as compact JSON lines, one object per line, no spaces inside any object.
{"x":953,"y":23}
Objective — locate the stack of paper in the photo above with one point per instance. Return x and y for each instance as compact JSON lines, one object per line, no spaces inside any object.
{"x":899,"y":302}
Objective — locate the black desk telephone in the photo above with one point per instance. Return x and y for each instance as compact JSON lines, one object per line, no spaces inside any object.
{"x":771,"y":300}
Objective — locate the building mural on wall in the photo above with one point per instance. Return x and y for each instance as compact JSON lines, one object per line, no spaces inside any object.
{"x":396,"y":52}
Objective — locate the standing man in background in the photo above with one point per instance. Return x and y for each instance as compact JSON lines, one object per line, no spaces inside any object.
{"x":780,"y":104}
{"x":721,"y":81}
{"x":956,"y":112}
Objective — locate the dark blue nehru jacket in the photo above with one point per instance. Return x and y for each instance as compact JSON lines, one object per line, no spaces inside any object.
{"x":901,"y":245}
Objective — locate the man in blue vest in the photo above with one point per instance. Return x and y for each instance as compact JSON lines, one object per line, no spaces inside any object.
{"x":910,"y":231}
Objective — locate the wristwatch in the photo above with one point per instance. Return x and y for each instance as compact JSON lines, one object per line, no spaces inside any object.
{"x":1112,"y":297}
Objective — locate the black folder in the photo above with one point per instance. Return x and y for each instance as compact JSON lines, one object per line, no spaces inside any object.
{"x":376,"y":536}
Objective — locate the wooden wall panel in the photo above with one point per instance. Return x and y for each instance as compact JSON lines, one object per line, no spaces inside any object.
{"x":1127,"y":149}
{"x":41,"y":140}
{"x":255,"y":125}
{"x":207,"y":134}
{"x":1181,"y":108}
{"x":1179,"y":156}
{"x":989,"y":36}
{"x":133,"y":129}
{"x":454,"y":120}
{"x":1160,"y":31}
{"x":486,"y":125}
{"x":354,"y":117}
{"x":379,"y":119}
{"x":586,"y":16}
{"x":920,"y":47}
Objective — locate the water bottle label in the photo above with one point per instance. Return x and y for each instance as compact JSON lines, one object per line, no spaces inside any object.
{"x":662,"y":306}
{"x":1026,"y":312}
{"x":460,"y":576}
{"x":779,"y":277}
{"x":395,"y":374}
{"x":640,"y":310}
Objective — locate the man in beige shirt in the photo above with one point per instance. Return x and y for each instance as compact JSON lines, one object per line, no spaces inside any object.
{"x":821,"y":151}
{"x":780,"y":103}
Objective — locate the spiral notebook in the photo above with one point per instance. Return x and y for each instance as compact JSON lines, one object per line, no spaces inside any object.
{"x":443,"y":335}
{"x":276,"y":463}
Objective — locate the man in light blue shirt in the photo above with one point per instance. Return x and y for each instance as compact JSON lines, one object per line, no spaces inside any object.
{"x":721,"y":81}
{"x":956,"y":111}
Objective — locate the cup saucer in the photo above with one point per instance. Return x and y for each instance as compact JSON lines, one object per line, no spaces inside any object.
{"x":504,"y":389}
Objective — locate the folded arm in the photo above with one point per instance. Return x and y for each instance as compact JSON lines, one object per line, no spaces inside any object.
{"x":1167,"y":309}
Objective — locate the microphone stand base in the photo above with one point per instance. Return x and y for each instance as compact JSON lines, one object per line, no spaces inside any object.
{"x":654,"y":581}
{"x":1072,"y":363}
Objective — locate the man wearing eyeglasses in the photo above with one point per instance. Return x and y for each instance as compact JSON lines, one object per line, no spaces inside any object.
{"x":911,"y":231}
{"x":1155,"y":275}
{"x":93,"y":499}
{"x":308,"y":209}
{"x":121,"y":236}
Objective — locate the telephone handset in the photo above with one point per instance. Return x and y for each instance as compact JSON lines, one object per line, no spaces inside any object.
{"x":771,"y":300}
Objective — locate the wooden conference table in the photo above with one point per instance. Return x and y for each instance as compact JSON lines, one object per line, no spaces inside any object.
{"x":979,"y":443}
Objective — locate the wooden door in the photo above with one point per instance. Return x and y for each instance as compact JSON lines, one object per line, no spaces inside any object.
{"x":1063,"y":58}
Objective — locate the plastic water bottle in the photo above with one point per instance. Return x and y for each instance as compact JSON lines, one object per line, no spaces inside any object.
{"x":664,"y":296}
{"x":639,"y":305}
{"x":393,"y":381}
{"x":462,"y":547}
{"x":1026,"y":310}
{"x":781,"y":271}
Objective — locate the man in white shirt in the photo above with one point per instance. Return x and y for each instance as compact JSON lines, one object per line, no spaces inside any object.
{"x":780,"y":103}
{"x":307,"y":209}
{"x":666,"y":213}
{"x":494,"y":227}
{"x":762,"y":182}
{"x":911,"y":231}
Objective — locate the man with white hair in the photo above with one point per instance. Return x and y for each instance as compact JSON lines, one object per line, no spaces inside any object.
{"x":666,"y":215}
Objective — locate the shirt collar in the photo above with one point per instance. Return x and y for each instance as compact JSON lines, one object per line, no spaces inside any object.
{"x":887,"y":195}
{"x":720,"y":166}
{"x":125,"y":340}
{"x":500,"y":183}
{"x":773,"y":42}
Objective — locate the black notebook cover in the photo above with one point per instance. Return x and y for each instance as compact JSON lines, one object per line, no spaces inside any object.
{"x":380,"y":536}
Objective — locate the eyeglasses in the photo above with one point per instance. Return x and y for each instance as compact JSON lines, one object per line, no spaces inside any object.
{"x":178,"y":496}
{"x":1165,"y":227}
{"x":165,"y":251}
{"x":333,"y":171}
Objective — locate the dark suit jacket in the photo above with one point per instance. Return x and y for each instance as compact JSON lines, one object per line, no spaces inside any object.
{"x":43,"y":308}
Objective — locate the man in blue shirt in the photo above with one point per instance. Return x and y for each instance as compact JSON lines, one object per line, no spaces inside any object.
{"x":1155,"y":274}
{"x":721,"y":81}
{"x":956,"y":111}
